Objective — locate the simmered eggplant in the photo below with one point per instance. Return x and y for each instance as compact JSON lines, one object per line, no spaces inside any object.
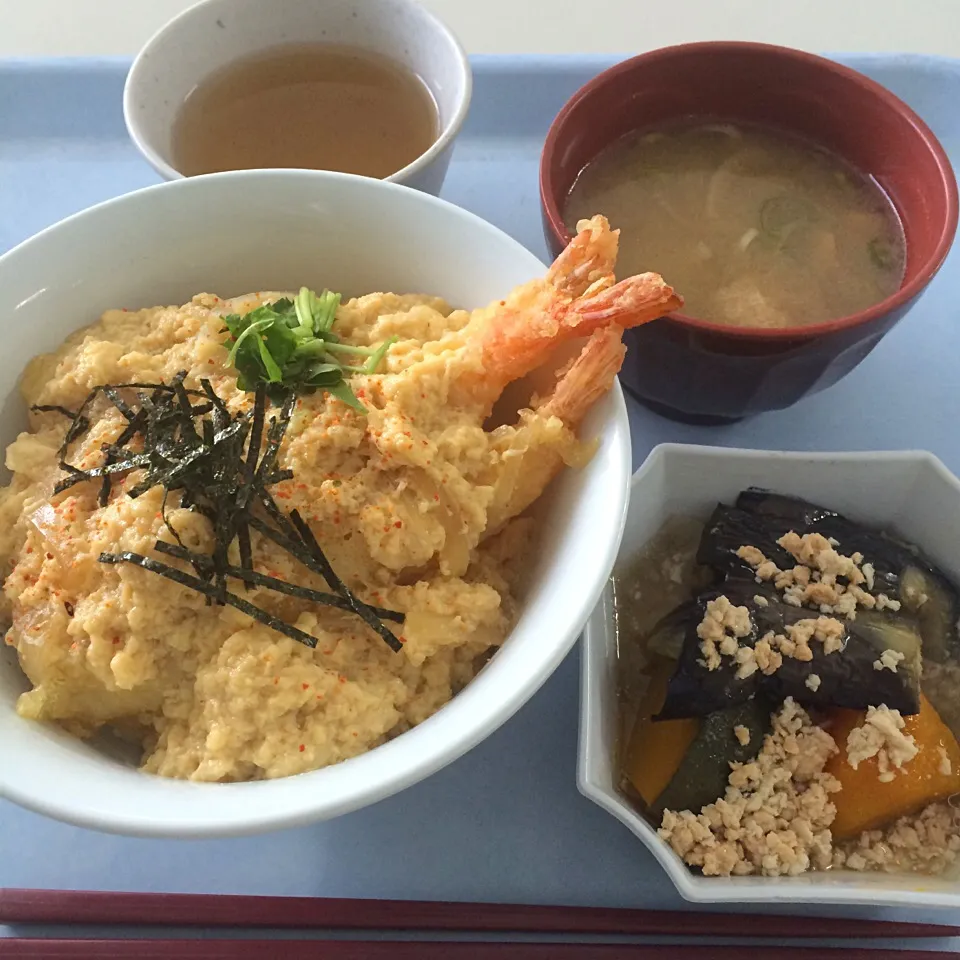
{"x":900,"y":571}
{"x":841,"y":625}
{"x":666,"y":639}
{"x":847,"y":678}
{"x":932,"y":599}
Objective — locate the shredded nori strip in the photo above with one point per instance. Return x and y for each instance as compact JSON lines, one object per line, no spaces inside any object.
{"x":360,"y":608}
{"x":129,"y":432}
{"x":54,"y":408}
{"x":201,"y":563}
{"x":201,"y":586}
{"x":250,"y":473}
{"x":213,"y":460}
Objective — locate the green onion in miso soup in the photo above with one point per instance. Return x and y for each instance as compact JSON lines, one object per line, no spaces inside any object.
{"x":754,"y":227}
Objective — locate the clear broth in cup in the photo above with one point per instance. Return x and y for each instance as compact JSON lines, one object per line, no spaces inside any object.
{"x":314,"y":106}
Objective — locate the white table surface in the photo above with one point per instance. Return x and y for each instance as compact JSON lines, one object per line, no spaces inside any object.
{"x":91,"y":27}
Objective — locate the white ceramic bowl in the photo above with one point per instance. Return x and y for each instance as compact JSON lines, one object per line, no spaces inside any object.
{"x":911,"y":493}
{"x":215,"y":33}
{"x":165,"y":243}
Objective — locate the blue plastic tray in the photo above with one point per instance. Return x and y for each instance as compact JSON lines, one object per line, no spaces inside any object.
{"x":504,"y":823}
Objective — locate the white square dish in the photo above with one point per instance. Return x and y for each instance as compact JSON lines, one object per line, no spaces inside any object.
{"x":910,"y":493}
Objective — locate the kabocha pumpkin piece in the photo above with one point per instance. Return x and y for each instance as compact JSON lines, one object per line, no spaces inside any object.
{"x":656,"y":749}
{"x":734,"y":735}
{"x":865,"y":802}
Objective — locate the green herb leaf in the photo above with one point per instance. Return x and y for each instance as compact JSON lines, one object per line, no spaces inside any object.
{"x":310,"y":348}
{"x":250,"y":331}
{"x":285,"y":307}
{"x":323,"y":375}
{"x":274,"y":375}
{"x":343,"y":392}
{"x":281,"y":341}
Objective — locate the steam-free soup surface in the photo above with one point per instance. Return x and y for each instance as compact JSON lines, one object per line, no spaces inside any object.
{"x":756,"y":228}
{"x":315,"y":106}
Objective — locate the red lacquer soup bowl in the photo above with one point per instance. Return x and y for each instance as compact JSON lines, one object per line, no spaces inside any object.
{"x":699,"y":371}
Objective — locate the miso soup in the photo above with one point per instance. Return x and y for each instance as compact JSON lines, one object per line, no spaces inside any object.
{"x":754,"y":227}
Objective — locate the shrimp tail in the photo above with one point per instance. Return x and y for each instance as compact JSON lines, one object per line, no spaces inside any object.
{"x":629,"y":303}
{"x":579,"y":297}
{"x":517,"y":345}
{"x":589,"y":258}
{"x":588,"y":377}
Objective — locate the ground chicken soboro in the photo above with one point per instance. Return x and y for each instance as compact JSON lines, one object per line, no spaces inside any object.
{"x":858,"y":787}
{"x":417,"y":506}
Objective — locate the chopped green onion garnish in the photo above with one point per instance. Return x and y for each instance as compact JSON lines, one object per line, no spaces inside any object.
{"x":376,"y":358}
{"x":305,"y":305}
{"x":289,"y":345}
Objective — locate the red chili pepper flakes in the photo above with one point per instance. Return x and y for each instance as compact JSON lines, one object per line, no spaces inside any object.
{"x":398,"y":524}
{"x":319,"y":696}
{"x":49,"y":556}
{"x":29,"y":550}
{"x":276,"y":680}
{"x":436,"y":496}
{"x":306,"y":686}
{"x":116,"y":639}
{"x":302,"y":748}
{"x":343,"y":679}
{"x":402,"y":639}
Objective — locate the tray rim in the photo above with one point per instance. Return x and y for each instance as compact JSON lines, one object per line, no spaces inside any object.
{"x":12,"y":67}
{"x":491,"y":62}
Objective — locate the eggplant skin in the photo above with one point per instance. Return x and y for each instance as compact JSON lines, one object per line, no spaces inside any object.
{"x":901,"y":571}
{"x":925,"y":626}
{"x":847,"y":677}
{"x":695,"y":691}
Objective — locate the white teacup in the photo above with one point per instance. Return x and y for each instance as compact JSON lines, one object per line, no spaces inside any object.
{"x":216,"y":33}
